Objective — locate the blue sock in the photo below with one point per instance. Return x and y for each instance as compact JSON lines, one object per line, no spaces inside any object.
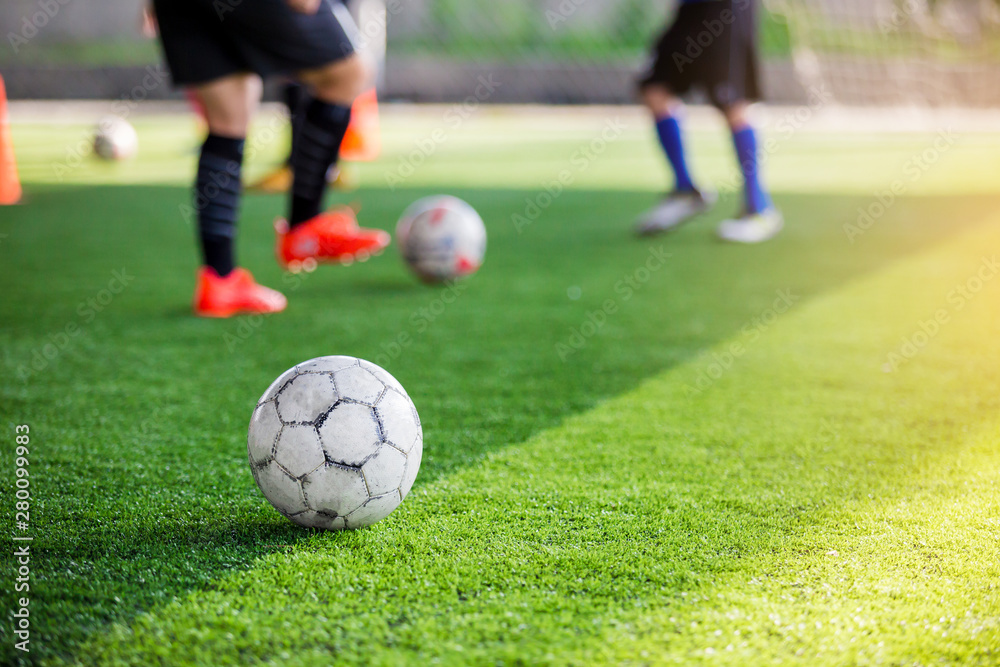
{"x":669,"y":131}
{"x":757,"y":199}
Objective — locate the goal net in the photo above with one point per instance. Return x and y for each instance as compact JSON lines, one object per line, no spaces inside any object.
{"x":865,"y":52}
{"x":896,"y":52}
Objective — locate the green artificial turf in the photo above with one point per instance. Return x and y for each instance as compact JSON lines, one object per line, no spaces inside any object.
{"x":613,"y":503}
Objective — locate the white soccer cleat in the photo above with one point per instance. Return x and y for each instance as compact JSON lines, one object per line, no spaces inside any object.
{"x":676,"y":208}
{"x":755,"y":228}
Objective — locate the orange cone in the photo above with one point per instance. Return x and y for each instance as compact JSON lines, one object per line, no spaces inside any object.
{"x":10,"y":185}
{"x":363,"y":141}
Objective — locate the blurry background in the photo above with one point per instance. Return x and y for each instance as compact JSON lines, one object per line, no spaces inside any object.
{"x":934,"y":52}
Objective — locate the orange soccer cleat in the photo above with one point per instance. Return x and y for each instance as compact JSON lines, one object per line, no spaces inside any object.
{"x":276,"y":182}
{"x":237,"y":293}
{"x":280,"y":181}
{"x":333,"y":236}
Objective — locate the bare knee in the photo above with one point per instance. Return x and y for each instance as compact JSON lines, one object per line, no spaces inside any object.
{"x":230,"y":103}
{"x":738,"y":115}
{"x":340,"y":82}
{"x":660,"y":101}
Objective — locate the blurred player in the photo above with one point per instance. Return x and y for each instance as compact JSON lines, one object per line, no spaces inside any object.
{"x":711,"y":45}
{"x":221,"y":49}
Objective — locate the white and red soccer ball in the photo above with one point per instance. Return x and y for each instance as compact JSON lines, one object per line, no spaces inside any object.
{"x":441,"y":238}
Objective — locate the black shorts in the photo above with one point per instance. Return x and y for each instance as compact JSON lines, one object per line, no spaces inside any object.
{"x":711,"y":46}
{"x":205,"y":40}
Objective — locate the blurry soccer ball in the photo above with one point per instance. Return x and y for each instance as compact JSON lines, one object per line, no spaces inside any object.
{"x":441,"y":238}
{"x":335,"y":443}
{"x":115,"y":139}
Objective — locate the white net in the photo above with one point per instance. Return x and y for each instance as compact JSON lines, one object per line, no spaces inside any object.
{"x":866,"y":52}
{"x":897,"y":52}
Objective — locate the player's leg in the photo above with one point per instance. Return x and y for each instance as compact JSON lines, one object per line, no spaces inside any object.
{"x":201,"y":58}
{"x":321,"y":129}
{"x":311,"y":235}
{"x":666,"y":109}
{"x":223,"y":289}
{"x":760,"y":220}
{"x":685,"y":201}
{"x":295,"y":96}
{"x":217,"y":188}
{"x":659,"y":86}
{"x":733,"y":84}
{"x":755,"y":198}
{"x":268,"y":37}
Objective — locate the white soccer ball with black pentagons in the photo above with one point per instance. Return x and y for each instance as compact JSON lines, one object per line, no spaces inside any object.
{"x":115,"y":139}
{"x":335,"y":443}
{"x":441,"y":238}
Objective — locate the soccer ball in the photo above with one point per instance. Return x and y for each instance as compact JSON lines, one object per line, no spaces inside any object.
{"x":441,"y":238}
{"x":335,"y":443}
{"x":115,"y":139}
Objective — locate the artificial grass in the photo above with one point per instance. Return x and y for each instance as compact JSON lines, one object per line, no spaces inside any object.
{"x":523,"y":540}
{"x":807,"y":507}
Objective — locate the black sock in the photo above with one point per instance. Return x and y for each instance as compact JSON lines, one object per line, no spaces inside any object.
{"x":317,"y":146}
{"x":217,"y":200}
{"x":296,"y":99}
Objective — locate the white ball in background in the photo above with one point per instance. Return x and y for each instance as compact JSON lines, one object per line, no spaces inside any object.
{"x":441,"y":238}
{"x":115,"y":139}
